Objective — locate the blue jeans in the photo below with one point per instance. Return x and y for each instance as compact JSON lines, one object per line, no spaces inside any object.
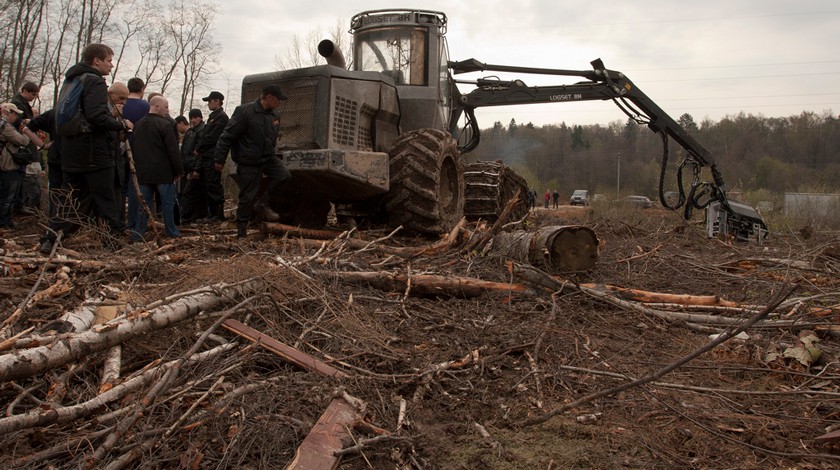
{"x":133,"y":206}
{"x":168,"y":195}
{"x":9,"y":184}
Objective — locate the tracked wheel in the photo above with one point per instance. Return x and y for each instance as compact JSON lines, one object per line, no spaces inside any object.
{"x":427,"y":182}
{"x":489,"y":188}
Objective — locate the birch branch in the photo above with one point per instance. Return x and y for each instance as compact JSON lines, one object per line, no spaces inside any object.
{"x":29,"y":362}
{"x":69,"y":413}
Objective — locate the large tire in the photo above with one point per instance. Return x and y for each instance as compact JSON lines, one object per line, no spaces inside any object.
{"x":427,"y":182}
{"x":489,"y":188}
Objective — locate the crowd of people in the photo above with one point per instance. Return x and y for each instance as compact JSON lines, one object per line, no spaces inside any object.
{"x":126,"y":158}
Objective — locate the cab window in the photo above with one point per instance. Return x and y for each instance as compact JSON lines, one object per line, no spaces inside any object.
{"x":400,"y":53}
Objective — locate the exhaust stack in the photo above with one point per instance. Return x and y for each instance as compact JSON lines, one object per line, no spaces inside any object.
{"x":333,"y":55}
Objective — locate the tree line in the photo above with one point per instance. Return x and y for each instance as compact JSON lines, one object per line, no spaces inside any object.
{"x":755,"y":154}
{"x":169,"y":45}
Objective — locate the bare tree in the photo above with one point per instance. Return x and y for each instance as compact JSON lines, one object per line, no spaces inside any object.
{"x":194,"y":68}
{"x":60,"y":44}
{"x":343,"y":41}
{"x":171,"y":48}
{"x":303,"y":52}
{"x":6,"y":49}
{"x":24,"y":20}
{"x":137,"y":15}
{"x":153,"y":50}
{"x":94,"y":22}
{"x":66,"y":27}
{"x":190,"y":28}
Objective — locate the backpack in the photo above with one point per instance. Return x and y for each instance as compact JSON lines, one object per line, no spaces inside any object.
{"x":69,"y":119}
{"x":25,"y":155}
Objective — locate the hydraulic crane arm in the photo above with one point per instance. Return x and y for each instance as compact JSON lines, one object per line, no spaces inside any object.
{"x":604,"y":84}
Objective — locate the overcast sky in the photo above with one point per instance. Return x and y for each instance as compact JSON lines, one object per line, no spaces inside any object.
{"x":709,"y":58}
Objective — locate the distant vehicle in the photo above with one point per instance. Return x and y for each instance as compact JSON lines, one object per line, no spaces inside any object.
{"x":599,"y":197}
{"x":579,"y":198}
{"x":642,"y":202}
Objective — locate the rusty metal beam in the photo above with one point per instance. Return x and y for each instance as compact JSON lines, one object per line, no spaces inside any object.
{"x":299,"y":358}
{"x":328,"y":436}
{"x":830,"y":438}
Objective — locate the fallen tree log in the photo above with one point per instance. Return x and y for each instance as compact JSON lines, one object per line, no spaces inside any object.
{"x":749,"y":264}
{"x":292,"y":231}
{"x":26,"y":363}
{"x":77,"y":320}
{"x":111,"y":368}
{"x":542,"y":279}
{"x":356,"y":244}
{"x":91,"y":265}
{"x":430,"y":284}
{"x":38,"y":261}
{"x":556,"y":249}
{"x":649,"y":297}
{"x":705,"y":319}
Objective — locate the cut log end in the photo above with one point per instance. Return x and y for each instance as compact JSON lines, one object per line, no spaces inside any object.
{"x":572,"y":249}
{"x":558,"y":249}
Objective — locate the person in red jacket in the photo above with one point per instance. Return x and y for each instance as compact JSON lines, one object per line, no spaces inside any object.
{"x":547,"y":198}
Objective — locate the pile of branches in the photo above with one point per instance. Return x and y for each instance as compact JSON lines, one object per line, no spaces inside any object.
{"x":217,"y":353}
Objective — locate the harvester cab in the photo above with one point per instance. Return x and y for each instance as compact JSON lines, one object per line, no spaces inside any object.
{"x":408,"y":46}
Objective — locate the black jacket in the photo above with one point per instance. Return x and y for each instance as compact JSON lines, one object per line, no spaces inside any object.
{"x":209,"y":136}
{"x":46,"y":122}
{"x":251,"y":135}
{"x":94,"y":150}
{"x":156,"y":155}
{"x":188,"y":145}
{"x":23,"y":105}
{"x":19,"y":101}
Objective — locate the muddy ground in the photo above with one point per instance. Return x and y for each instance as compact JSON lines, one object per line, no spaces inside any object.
{"x":509,"y":357}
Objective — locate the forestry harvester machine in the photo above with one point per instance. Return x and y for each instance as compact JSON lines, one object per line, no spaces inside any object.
{"x":377,"y":141}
